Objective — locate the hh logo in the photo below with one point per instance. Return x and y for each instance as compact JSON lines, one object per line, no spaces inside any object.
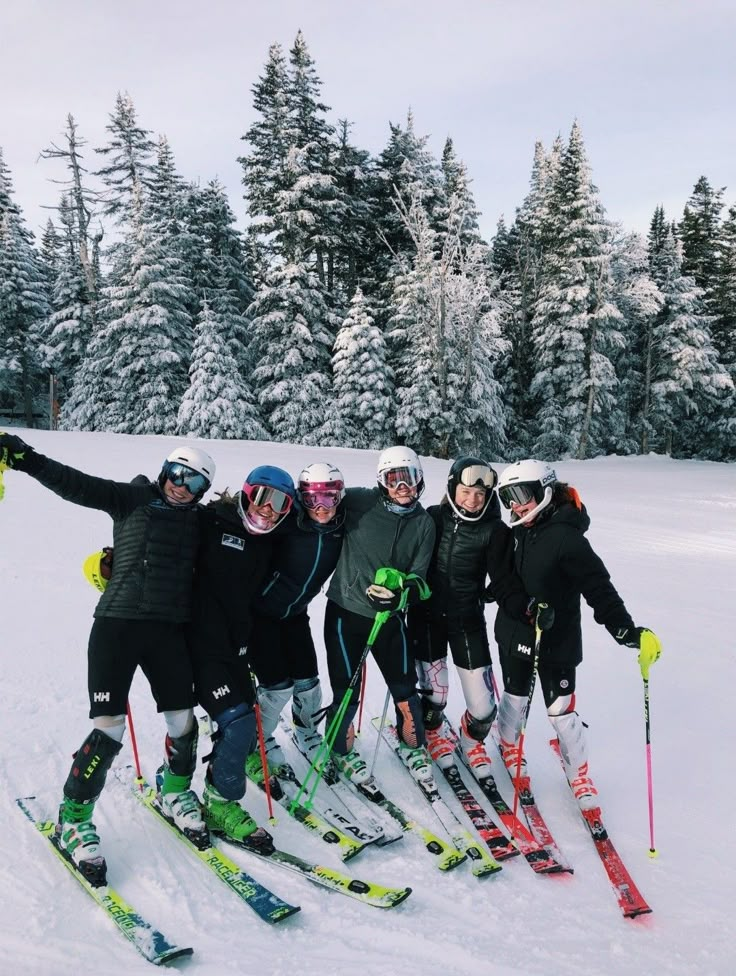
{"x":233,"y":541}
{"x":524,"y":649}
{"x":100,"y":696}
{"x":242,"y":652}
{"x":221,"y":692}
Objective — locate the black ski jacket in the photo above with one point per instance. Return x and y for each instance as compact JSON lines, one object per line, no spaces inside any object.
{"x":155,"y":543}
{"x":231,"y":567}
{"x":304,"y":558}
{"x":557,"y":565}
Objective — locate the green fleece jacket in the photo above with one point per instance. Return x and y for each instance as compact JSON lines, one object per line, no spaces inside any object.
{"x":376,"y":537}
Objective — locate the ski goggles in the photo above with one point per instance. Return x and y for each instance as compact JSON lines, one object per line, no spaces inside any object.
{"x":520,"y":494}
{"x":183,"y":477}
{"x":395,"y":477}
{"x":478,"y":476}
{"x":320,"y":498}
{"x":261,"y":495}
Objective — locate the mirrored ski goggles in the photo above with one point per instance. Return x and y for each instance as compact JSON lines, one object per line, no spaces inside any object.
{"x":183,"y":477}
{"x":520,"y":494}
{"x":260,"y":495}
{"x":478,"y":476}
{"x":323,"y":498}
{"x":395,"y":477}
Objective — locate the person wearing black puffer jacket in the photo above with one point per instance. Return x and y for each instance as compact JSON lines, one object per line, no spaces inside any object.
{"x":281,"y":649}
{"x":470,"y":544}
{"x":557,"y":565}
{"x":139,"y":622}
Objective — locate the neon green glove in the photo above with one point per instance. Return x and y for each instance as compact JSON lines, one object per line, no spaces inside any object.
{"x":643,"y":640}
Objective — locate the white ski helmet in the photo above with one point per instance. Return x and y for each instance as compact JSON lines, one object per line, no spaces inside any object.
{"x":400,"y":465}
{"x":525,"y":481}
{"x":321,"y":483}
{"x":194,"y":459}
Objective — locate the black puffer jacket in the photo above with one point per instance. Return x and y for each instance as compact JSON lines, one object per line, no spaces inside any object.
{"x":557,"y":565}
{"x":155,"y":543}
{"x":305,"y":556}
{"x":231,"y":567}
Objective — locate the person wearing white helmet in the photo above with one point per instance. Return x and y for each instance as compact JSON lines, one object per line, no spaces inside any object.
{"x":281,"y":649}
{"x":557,"y":565}
{"x":385,"y":527}
{"x":139,"y":622}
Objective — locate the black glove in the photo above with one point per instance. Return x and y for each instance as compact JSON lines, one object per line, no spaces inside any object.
{"x":14,"y":453}
{"x":540,"y":614}
{"x":629,"y":636}
{"x":382,"y":599}
{"x":487,"y":595}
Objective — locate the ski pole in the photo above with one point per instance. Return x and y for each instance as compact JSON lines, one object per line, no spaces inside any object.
{"x":323,"y":753}
{"x":262,"y":752}
{"x":383,"y":722}
{"x":363,"y":676}
{"x":535,"y":668}
{"x":3,"y":467}
{"x":134,"y":746}
{"x":652,"y":849}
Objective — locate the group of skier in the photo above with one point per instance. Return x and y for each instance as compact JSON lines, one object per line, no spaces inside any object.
{"x":202,"y":597}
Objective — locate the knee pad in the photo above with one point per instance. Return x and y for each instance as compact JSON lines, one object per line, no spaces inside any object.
{"x":477,"y":685}
{"x":232,"y":743}
{"x":561,"y":705}
{"x":90,"y":767}
{"x":112,"y":725}
{"x":511,"y":714}
{"x":271,"y":702}
{"x":181,"y":752}
{"x":434,"y":681}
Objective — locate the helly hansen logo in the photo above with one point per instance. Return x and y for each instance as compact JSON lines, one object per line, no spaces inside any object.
{"x":524,"y":649}
{"x":232,"y":541}
{"x":221,"y":692}
{"x":102,"y":696}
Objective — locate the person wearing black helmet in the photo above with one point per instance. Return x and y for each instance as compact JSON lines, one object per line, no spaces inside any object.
{"x":557,"y":565}
{"x":234,"y":556}
{"x":468,"y":522}
{"x":281,"y":649}
{"x":139,"y":622}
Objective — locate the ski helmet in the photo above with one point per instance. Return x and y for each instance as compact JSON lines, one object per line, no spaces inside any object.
{"x":188,"y":466}
{"x":399,"y":466}
{"x":473,"y":473}
{"x":526,"y":481}
{"x":321,"y":485}
{"x":266,"y":485}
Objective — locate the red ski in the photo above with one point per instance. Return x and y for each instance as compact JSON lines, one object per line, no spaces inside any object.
{"x":630,"y":900}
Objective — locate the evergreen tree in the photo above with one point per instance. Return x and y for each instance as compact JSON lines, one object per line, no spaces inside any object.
{"x":292,"y":334}
{"x":456,"y":201}
{"x":700,"y":236}
{"x":128,"y":155}
{"x":218,"y":402}
{"x":23,"y":306}
{"x":690,"y":388}
{"x":52,"y":247}
{"x":724,"y":327}
{"x":656,"y":240}
{"x":362,"y":402}
{"x":355,"y":228}
{"x":576,"y":327}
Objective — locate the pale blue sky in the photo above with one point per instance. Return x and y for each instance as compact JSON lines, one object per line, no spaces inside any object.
{"x":652,"y":84}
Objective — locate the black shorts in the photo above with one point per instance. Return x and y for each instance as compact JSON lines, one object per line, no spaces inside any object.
{"x":282,"y":650}
{"x":467,"y":639}
{"x":222,"y":683}
{"x":556,"y":681}
{"x":117,"y":647}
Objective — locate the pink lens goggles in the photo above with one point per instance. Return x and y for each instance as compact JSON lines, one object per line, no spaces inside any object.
{"x":394,"y":477}
{"x":260,"y":495}
{"x":320,"y":498}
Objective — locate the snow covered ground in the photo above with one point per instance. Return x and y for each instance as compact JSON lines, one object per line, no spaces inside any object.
{"x":667,"y":532}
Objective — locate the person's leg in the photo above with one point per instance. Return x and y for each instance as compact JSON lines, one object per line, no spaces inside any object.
{"x":559,"y":695}
{"x":517,"y":678}
{"x":472,"y":656}
{"x":111,"y":665}
{"x":268,"y":659}
{"x":306,"y":707}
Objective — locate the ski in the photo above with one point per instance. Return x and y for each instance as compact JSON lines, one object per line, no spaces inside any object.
{"x":151,"y":944}
{"x":256,"y":896}
{"x":483,"y":863}
{"x":367,"y":892}
{"x":498,"y":843}
{"x":537,"y":824}
{"x":381,"y":832}
{"x":540,"y":860}
{"x":284,"y":788}
{"x":630,"y":900}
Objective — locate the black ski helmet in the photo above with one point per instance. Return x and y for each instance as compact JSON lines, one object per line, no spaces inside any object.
{"x":473,"y":473}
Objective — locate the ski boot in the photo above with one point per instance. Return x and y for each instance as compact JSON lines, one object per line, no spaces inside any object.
{"x":78,"y":840}
{"x":474,"y":748}
{"x":440,"y":748}
{"x":180,"y":805}
{"x":228,"y":819}
{"x":417,"y":761}
{"x":352,"y":766}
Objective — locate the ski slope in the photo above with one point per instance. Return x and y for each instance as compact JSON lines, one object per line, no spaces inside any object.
{"x":667,"y":532}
